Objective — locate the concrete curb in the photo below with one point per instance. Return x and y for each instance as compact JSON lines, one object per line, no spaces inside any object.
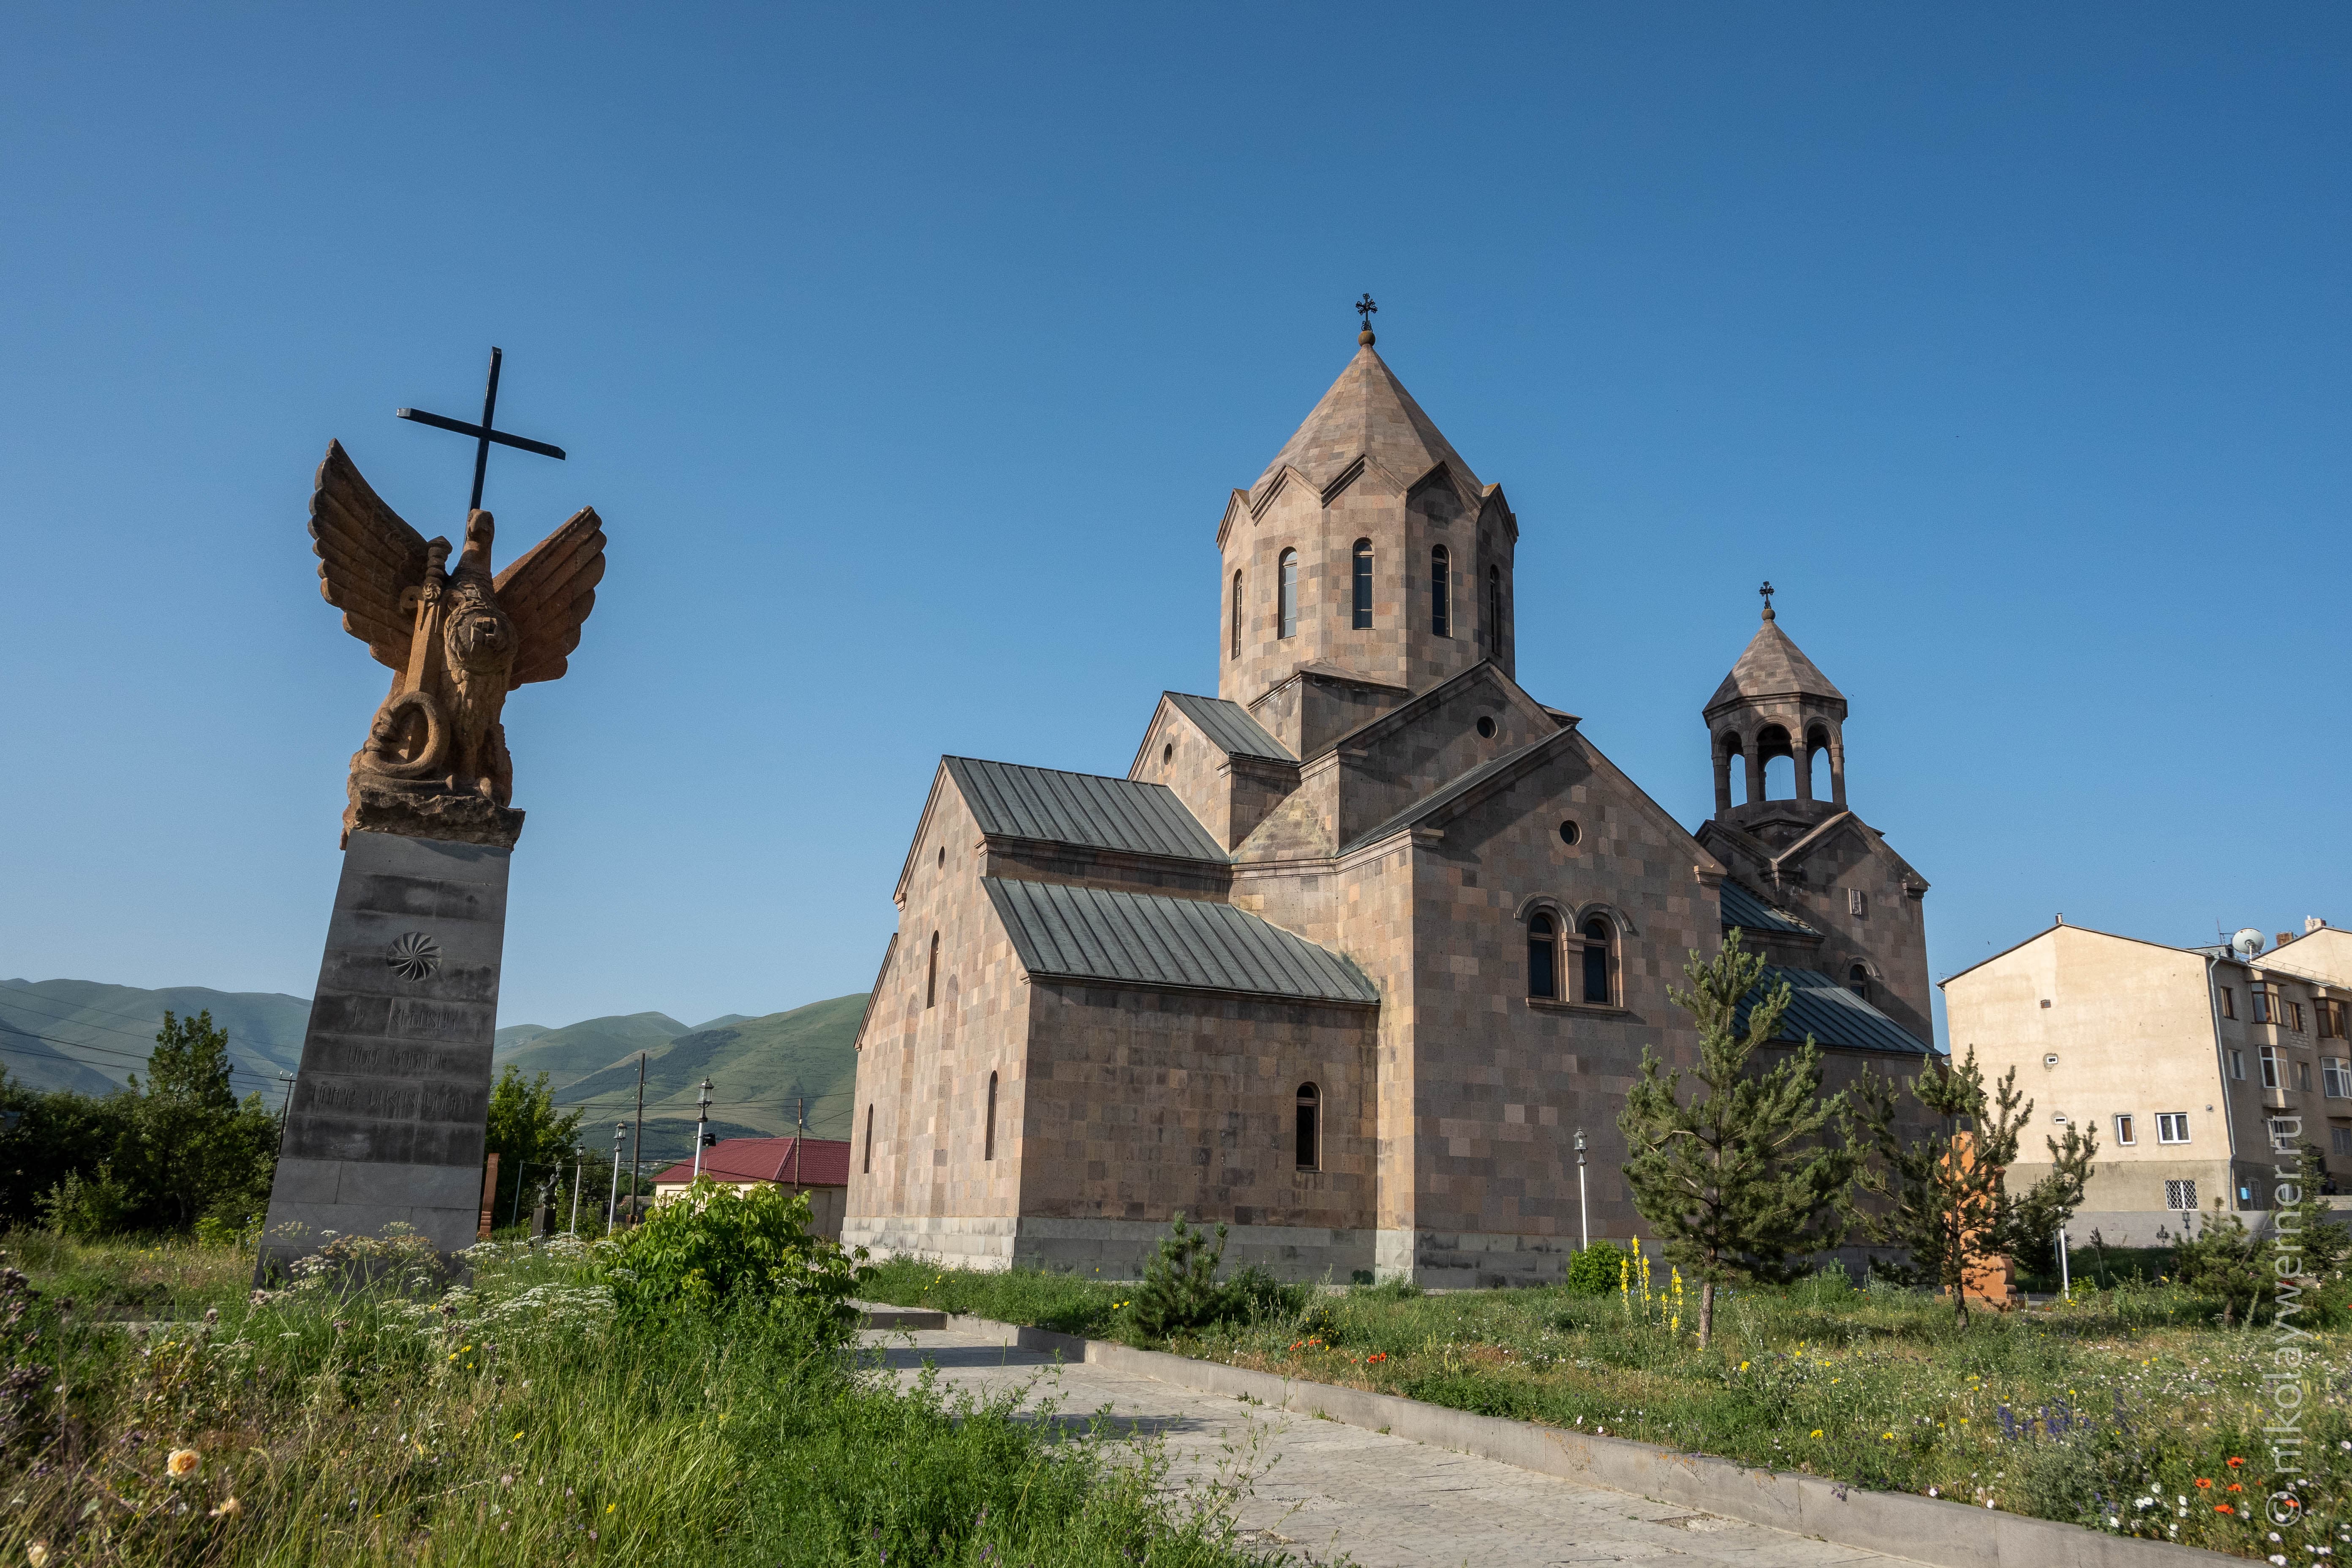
{"x":1925,"y":1530}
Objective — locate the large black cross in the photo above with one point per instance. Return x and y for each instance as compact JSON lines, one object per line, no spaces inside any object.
{"x":483,"y":434}
{"x":1366,"y":310}
{"x":1767,"y":591}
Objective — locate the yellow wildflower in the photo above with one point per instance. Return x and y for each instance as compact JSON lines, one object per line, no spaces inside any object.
{"x":183,"y":1462}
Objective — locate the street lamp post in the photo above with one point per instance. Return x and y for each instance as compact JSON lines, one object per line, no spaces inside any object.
{"x":1583,"y":1213}
{"x":701,"y":1128}
{"x":612,"y":1207}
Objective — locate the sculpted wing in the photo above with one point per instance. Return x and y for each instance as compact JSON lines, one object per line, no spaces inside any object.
{"x":548,"y":592}
{"x":368,"y":558}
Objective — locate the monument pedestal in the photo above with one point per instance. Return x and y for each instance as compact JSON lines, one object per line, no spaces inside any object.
{"x":388,"y":1118}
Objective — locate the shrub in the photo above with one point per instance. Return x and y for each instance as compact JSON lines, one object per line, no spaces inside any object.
{"x":1179,"y":1284}
{"x":1593,"y":1270}
{"x":98,"y":1207}
{"x":1252,"y":1295}
{"x":713,"y":1247}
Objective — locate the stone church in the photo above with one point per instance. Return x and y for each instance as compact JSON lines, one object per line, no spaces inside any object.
{"x":1358,"y":944}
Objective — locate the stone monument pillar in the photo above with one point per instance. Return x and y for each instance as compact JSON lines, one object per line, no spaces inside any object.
{"x":386,"y":1120}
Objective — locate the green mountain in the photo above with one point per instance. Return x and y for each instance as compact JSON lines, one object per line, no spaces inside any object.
{"x":83,"y":1035}
{"x":758,"y":1067}
{"x":572,"y":1052}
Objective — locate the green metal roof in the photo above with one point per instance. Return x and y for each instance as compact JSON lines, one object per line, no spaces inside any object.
{"x":1831,"y":1014}
{"x":1748,"y":912}
{"x":1140,"y":939}
{"x":1082,"y":808}
{"x":1230,"y":726}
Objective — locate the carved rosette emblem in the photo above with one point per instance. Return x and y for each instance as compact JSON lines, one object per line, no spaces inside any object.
{"x":414,"y":956}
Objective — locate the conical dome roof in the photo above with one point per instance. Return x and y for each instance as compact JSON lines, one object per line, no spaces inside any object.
{"x":1773,"y":666}
{"x":1368,"y":412}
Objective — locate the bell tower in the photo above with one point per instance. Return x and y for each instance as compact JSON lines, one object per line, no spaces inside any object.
{"x":1776,"y":703}
{"x":1367,"y":562}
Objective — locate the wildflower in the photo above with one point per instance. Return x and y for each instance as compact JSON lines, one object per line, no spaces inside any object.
{"x":2236,"y":1487}
{"x":37,"y":1556}
{"x":229,"y":1509}
{"x":2202,"y":1484}
{"x":183,"y":1462}
{"x":1817,"y":1431}
{"x":2234,"y":1462}
{"x":2224,"y":1508}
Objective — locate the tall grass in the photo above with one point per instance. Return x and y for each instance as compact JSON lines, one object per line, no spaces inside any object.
{"x":2107,"y":1411}
{"x":519,"y":1420}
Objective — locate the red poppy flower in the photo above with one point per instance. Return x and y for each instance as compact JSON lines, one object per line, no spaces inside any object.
{"x":2236,"y":1487}
{"x":2224,"y":1508}
{"x":2202,"y":1482}
{"x":2236,"y":1463}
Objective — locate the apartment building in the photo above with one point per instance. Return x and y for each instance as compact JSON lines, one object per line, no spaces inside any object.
{"x":2194,"y":1065}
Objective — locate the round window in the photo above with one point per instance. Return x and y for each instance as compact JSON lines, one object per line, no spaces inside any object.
{"x":1166,"y":752}
{"x":1485,"y":727}
{"x":1568,"y":832}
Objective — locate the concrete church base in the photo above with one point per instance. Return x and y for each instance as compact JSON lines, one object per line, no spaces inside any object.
{"x":387,"y":1119}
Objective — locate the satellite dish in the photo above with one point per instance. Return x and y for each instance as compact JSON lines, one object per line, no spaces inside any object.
{"x":2248,"y":942}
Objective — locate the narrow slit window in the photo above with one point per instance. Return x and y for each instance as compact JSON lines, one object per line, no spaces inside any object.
{"x":868,"y":1165}
{"x":1441,"y":590}
{"x":1494,"y":611}
{"x":1310,"y":1128}
{"x":1286,"y":590}
{"x":932,"y":981}
{"x":988,"y":1133}
{"x":1236,"y":651}
{"x":2124,"y":1131}
{"x":1598,"y":936}
{"x":1543,"y":958}
{"x":1363,"y":584}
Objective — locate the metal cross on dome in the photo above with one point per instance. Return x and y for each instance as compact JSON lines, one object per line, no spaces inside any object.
{"x":483,"y":434}
{"x":1366,"y":310}
{"x":1767,"y":591}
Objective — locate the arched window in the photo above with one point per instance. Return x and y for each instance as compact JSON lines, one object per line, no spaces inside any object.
{"x":1494,"y":611}
{"x":1600,"y":936}
{"x":869,"y":1140}
{"x":1237,"y":617}
{"x":1310,"y":1113}
{"x":1363,"y":584}
{"x":1779,"y":758}
{"x":1286,"y":591}
{"x":987,"y":1136}
{"x":1543,"y":957}
{"x":931,"y":981}
{"x":1857,"y":980}
{"x":1441,"y":592}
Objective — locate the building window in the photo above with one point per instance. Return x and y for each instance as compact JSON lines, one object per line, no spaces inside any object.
{"x":2124,"y":1131}
{"x":868,"y":1166}
{"x":2172,"y":1127}
{"x":2284,"y":1130}
{"x":988,"y":1133}
{"x":2180,"y":1195}
{"x":1285,"y":590}
{"x":1857,"y":902}
{"x":2260,"y":995}
{"x":2270,"y":1068}
{"x":1599,"y":935}
{"x":2237,"y":1064}
{"x":2303,"y":1077}
{"x":2229,"y":1005}
{"x":932,"y":981}
{"x":2331,"y":1019}
{"x":2335,"y":1078}
{"x":1441,"y":592}
{"x":1857,"y":980}
{"x":1310,"y":1111}
{"x":1363,"y":584}
{"x":2291,"y":1014}
{"x":1543,"y":957}
{"x":1236,"y":652}
{"x":1494,"y":611}
{"x":2339,"y":1139}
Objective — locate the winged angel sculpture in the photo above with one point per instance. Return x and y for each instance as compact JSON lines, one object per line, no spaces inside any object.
{"x":458,"y":640}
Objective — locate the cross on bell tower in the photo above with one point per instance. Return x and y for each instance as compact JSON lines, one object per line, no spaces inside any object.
{"x":1366,"y":309}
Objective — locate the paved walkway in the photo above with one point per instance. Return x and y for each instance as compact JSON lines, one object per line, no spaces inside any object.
{"x":1327,"y":1490}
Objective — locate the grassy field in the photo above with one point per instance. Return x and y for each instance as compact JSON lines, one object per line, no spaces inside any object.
{"x":2124,"y":1410}
{"x":515,"y":1422}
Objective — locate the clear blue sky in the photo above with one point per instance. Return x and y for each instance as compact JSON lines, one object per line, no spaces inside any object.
{"x":910,"y":353}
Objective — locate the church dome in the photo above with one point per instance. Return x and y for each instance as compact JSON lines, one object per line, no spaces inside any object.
{"x":1773,"y":666}
{"x":1368,"y":412}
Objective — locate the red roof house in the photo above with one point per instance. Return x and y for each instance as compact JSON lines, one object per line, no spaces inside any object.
{"x":818,"y":1166}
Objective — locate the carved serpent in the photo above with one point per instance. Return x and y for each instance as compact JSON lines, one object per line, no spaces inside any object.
{"x":383,"y":733}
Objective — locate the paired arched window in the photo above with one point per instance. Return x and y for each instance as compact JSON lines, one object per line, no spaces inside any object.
{"x":1441,"y":592}
{"x":932,"y":981}
{"x":1310,"y":1128}
{"x":1599,"y":961}
{"x":1363,"y":584}
{"x":1236,"y":652}
{"x":1543,"y":958}
{"x":1287,"y":593}
{"x":988,"y":1136}
{"x":1494,"y":611}
{"x":869,"y":1140}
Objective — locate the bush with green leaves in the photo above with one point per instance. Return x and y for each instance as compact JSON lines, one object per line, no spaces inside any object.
{"x":87,"y":1208}
{"x":1595,"y":1270}
{"x":1179,"y":1289}
{"x":714,"y":1246}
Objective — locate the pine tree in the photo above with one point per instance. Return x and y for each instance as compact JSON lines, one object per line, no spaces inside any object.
{"x":1738,"y":1182}
{"x":190,"y":1147}
{"x":1946,"y":1201}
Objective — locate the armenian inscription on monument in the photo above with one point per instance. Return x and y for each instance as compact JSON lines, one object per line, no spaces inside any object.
{"x":387,"y":1116}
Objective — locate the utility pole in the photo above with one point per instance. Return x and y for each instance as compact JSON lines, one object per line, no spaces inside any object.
{"x":1583,"y":1213}
{"x":637,"y":1146}
{"x":613,"y":1205}
{"x":701,"y":1127}
{"x":579,"y":1168}
{"x":284,"y":1104}
{"x":800,"y":1133}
